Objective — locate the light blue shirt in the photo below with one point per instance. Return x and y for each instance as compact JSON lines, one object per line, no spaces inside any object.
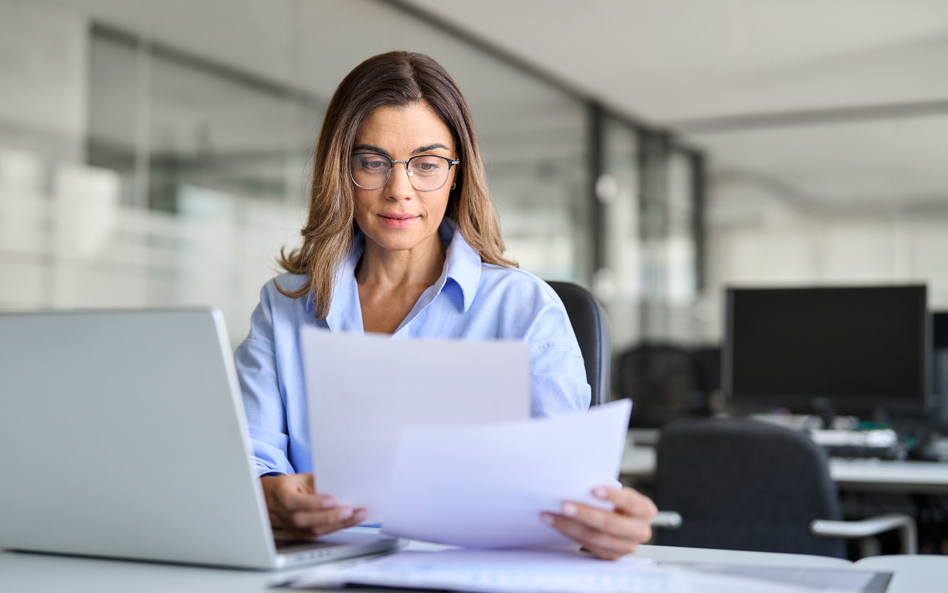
{"x":470,"y":301}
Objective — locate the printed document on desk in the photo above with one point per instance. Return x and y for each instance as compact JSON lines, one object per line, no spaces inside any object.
{"x":522,"y":571}
{"x":495,"y":571}
{"x":363,"y":389}
{"x":486,"y":486}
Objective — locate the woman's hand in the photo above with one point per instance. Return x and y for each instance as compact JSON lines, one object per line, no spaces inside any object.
{"x":607,"y":534}
{"x":299,"y":512}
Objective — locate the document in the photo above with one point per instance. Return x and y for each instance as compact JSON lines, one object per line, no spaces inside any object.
{"x":820,"y":579}
{"x":486,"y":486}
{"x":523,"y":571}
{"x":491,"y":571}
{"x":362,"y":390}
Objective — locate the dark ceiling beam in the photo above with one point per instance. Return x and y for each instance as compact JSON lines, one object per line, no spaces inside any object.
{"x":830,"y":115}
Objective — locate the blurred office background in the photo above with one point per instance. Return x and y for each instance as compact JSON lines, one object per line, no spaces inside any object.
{"x":156,"y":154}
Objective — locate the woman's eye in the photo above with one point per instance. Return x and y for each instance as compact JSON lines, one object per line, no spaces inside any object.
{"x":426,"y":166}
{"x":373,"y":164}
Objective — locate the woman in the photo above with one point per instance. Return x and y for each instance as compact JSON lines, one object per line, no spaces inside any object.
{"x":402,"y":239}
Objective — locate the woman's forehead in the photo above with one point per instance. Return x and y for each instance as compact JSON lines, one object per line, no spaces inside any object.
{"x":405,"y":127}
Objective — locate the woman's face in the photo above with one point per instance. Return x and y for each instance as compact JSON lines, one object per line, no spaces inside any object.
{"x":397,"y":216}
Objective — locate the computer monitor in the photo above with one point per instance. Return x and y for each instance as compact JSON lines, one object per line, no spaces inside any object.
{"x":940,"y":330}
{"x":940,"y":360}
{"x":854,"y":348}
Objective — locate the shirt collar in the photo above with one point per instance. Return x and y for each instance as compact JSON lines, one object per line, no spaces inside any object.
{"x":462,"y":265}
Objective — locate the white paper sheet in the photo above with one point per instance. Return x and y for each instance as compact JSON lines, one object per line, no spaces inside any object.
{"x":821,"y":579}
{"x":486,"y":486}
{"x":522,"y":571}
{"x":362,"y":389}
{"x":490,"y":571}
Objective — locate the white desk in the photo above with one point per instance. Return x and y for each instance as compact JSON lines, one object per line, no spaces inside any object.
{"x":919,"y":477}
{"x":36,"y":573}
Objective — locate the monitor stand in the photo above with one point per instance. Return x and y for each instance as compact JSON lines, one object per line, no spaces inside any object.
{"x":824,"y":408}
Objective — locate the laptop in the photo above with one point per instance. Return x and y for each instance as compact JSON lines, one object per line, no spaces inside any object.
{"x":123,"y":435}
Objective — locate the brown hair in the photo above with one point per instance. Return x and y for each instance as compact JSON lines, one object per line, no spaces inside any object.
{"x":386,"y":80}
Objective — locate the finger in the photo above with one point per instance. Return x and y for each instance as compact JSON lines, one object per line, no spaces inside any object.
{"x":601,"y":544}
{"x":287,"y":504}
{"x":309,"y":481}
{"x":294,"y":501}
{"x":628,"y":502}
{"x":322,"y":522}
{"x":294,"y":493}
{"x":637,"y":529}
{"x":306,"y":513}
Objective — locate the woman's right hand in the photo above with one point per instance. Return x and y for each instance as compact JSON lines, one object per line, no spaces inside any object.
{"x":298,"y":512}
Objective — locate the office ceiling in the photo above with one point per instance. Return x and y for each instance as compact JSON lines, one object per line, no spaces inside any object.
{"x":835,"y":103}
{"x":681,"y":62}
{"x":839,"y":104}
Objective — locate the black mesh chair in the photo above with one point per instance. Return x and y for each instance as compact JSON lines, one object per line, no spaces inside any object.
{"x":592,"y":332}
{"x":664,"y":382}
{"x":747,"y":485}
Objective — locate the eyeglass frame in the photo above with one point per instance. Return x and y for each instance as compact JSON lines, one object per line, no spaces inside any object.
{"x":451,"y":163}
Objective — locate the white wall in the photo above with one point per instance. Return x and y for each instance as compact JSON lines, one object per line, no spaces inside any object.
{"x":757,"y":238}
{"x":43,"y":77}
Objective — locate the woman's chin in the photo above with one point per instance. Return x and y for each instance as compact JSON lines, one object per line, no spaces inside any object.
{"x":409,"y":239}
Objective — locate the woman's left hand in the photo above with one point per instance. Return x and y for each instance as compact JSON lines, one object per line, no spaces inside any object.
{"x":607,"y":534}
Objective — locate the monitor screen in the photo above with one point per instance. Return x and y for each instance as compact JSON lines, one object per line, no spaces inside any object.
{"x":940,"y":330}
{"x":858,"y":347}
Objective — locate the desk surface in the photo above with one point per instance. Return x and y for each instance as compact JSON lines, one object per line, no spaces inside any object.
{"x":919,"y":477}
{"x":39,"y":573}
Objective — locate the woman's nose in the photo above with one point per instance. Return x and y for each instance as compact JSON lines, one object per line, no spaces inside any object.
{"x":399,"y":185}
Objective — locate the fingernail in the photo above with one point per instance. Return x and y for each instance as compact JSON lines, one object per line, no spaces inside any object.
{"x":601,"y":492}
{"x":547,"y":518}
{"x":345,"y":514}
{"x":361,"y":515}
{"x":328,"y":502}
{"x":570,"y":509}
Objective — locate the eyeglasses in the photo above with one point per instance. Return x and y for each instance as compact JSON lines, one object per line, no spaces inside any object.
{"x":426,"y":172}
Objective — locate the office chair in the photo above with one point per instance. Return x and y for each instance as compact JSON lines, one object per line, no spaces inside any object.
{"x":748,"y":485}
{"x":709,"y":361}
{"x":665,"y":382}
{"x":592,"y":332}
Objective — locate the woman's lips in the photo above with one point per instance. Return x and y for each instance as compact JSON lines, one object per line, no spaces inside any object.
{"x":398,"y":221}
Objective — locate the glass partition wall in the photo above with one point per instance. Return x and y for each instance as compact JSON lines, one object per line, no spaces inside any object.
{"x":166,"y":162}
{"x":649,"y":196}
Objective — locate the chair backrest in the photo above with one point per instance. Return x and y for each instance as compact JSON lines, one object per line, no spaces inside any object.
{"x":745,"y":485}
{"x":592,"y":331}
{"x":665,"y":382}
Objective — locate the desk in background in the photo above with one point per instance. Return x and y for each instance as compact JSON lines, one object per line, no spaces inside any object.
{"x":878,"y":475}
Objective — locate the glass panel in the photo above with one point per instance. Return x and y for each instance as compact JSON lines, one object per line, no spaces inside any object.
{"x":680,"y":251}
{"x":537,"y":175}
{"x":618,"y":189}
{"x":654,"y":233}
{"x":214,"y":129}
{"x":670,"y":247}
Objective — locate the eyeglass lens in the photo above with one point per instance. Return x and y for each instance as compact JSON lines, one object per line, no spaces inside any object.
{"x":425,"y":172}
